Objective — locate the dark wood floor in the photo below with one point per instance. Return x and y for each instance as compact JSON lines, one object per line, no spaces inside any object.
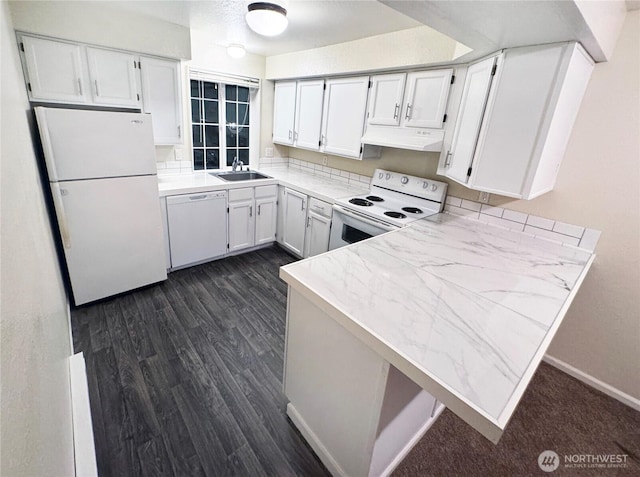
{"x":185,"y":378}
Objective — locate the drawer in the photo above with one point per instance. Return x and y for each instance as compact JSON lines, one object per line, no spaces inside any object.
{"x":320,"y":207}
{"x":266,"y":191}
{"x":240,"y":194}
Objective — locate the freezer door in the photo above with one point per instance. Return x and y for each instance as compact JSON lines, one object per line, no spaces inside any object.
{"x":80,"y":144}
{"x":111,"y":231}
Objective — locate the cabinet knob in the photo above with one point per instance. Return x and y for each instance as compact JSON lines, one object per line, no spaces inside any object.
{"x":404,"y":180}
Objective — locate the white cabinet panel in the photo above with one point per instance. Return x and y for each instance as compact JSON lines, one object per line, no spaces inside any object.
{"x":294,"y":224}
{"x":241,"y":220}
{"x":197,"y":227}
{"x":345,"y":105}
{"x":386,"y":99}
{"x":426,"y":98}
{"x":308,"y":116}
{"x":113,"y":77}
{"x":280,"y":218}
{"x":284,"y":107}
{"x":165,"y":231}
{"x":317,"y":234}
{"x":472,"y":106}
{"x":162,"y":99}
{"x":55,"y":70}
{"x":266,"y":212}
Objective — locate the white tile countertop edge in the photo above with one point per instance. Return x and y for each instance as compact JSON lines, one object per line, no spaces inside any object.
{"x":490,"y":424}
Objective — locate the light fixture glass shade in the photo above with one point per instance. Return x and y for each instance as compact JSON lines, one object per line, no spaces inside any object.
{"x":236,"y":51}
{"x":267,"y":19}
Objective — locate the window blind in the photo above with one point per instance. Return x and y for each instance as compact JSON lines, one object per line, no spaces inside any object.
{"x":216,"y":77}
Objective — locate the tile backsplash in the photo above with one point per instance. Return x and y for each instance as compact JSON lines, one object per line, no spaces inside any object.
{"x":567,"y":234}
{"x":319,"y":170}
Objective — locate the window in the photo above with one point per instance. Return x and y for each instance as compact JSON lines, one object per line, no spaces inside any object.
{"x":220,"y":124}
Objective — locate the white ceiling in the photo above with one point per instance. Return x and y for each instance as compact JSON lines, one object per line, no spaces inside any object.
{"x":312,"y":23}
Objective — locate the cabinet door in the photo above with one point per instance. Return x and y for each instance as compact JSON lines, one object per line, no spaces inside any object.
{"x":284,"y":107}
{"x":281,"y":212}
{"x":161,"y":98}
{"x":241,"y":224}
{"x":266,"y":212}
{"x":426,"y":98}
{"x":113,"y":77}
{"x":385,"y":101}
{"x":472,"y":106}
{"x":345,"y":106}
{"x":308,"y":114}
{"x":294,"y":221}
{"x":55,"y":70}
{"x":317,"y":234}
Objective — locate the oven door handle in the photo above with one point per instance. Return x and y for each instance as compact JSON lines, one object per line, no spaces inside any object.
{"x":364,"y":218}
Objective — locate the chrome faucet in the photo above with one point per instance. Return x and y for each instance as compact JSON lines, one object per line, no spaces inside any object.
{"x":236,"y":163}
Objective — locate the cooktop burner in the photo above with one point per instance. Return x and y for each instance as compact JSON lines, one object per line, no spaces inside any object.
{"x":412,"y":210}
{"x":361,"y":202}
{"x":375,"y":198}
{"x":395,"y":215}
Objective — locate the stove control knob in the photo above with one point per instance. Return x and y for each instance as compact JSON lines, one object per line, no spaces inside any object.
{"x":388,"y":176}
{"x":404,"y":179}
{"x":434,"y":187}
{"x":380,"y":175}
{"x":425,"y":184}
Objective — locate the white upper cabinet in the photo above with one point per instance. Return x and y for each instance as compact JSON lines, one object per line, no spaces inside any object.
{"x":284,"y":108}
{"x":161,"y":98}
{"x":426,"y":98}
{"x":308,"y":115}
{"x":465,"y":135}
{"x":526,"y":120}
{"x":345,"y":106}
{"x":54,"y":69}
{"x":113,"y":77}
{"x":386,"y":99}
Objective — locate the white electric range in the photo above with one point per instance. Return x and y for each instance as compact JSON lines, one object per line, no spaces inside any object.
{"x":394,"y":201}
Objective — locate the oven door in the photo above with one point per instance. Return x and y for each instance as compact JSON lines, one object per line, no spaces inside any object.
{"x":348,"y":227}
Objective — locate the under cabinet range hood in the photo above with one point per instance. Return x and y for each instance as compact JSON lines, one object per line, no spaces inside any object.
{"x":416,"y":139}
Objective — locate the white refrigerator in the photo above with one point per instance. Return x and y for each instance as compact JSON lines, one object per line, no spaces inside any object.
{"x":102,"y":171}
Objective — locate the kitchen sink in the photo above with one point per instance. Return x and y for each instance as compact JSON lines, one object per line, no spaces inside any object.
{"x":239,"y":176}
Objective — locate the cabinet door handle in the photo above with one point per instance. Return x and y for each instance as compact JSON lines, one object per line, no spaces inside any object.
{"x":251,"y":211}
{"x":259,"y":208}
{"x":79,"y":86}
{"x":396,"y":111}
{"x":179,"y":132}
{"x":408,"y":113}
{"x":295,"y":135}
{"x":290,"y":133}
{"x":96,"y":83}
{"x":302,"y":208}
{"x":308,"y":222}
{"x":322,"y":139}
{"x":447,"y":160}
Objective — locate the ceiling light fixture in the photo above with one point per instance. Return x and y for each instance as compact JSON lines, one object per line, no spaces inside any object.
{"x":266,"y":18}
{"x":236,"y":51}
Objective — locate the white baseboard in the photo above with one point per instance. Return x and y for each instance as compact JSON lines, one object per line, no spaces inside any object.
{"x":609,"y":390}
{"x":83,"y":444}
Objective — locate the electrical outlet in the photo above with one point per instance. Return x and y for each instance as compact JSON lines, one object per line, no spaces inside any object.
{"x":268,"y":152}
{"x":325,"y":161}
{"x":177,"y":153}
{"x":484,"y":197}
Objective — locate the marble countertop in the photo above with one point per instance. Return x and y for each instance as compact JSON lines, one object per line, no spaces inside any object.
{"x":310,"y":184}
{"x":465,"y":309}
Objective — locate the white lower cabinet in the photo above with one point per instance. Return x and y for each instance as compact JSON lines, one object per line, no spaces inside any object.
{"x":294,"y":221}
{"x":318,"y":227}
{"x":165,"y":232}
{"x":252,"y":216}
{"x":197,"y":227}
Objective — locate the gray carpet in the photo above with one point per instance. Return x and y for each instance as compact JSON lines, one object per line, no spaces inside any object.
{"x":556,"y":413}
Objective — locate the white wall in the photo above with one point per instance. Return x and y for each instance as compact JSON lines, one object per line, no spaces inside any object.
{"x":90,"y":22}
{"x":405,"y":48}
{"x":34,"y":329}
{"x":601,"y":333}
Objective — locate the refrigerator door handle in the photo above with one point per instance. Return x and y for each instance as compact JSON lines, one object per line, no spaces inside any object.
{"x":60,"y":213}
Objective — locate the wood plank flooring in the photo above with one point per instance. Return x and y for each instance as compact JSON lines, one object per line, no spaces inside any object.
{"x":185,"y":377}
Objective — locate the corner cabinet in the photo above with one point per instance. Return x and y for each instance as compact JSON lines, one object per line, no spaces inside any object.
{"x":160,"y":97}
{"x":284,"y":110}
{"x":515,"y":117}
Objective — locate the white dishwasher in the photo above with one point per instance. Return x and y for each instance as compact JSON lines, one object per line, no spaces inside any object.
{"x":197,"y":227}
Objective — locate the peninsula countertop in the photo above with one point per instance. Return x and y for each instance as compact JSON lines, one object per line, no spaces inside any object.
{"x":464,"y":308}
